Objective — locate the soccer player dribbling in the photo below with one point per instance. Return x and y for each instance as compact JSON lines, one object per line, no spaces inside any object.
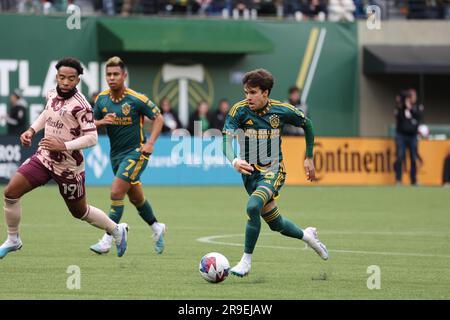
{"x":257,"y":123}
{"x":122,"y":111}
{"x":69,"y":128}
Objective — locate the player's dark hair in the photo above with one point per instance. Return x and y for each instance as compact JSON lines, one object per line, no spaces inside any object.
{"x":293,"y":89}
{"x":115,"y":62}
{"x":258,"y":78}
{"x":70,"y":62}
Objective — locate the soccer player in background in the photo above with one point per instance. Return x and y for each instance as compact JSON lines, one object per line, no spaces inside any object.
{"x":69,"y":127}
{"x":122,"y":111}
{"x":257,"y":123}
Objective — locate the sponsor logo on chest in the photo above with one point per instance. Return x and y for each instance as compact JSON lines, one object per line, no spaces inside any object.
{"x":126,"y":109}
{"x":274,"y":121}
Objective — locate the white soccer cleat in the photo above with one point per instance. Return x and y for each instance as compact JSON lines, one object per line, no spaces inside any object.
{"x":121,"y":239}
{"x":158,"y":237}
{"x":313,"y":242}
{"x":241,"y":269}
{"x":103,"y":245}
{"x":9,"y":246}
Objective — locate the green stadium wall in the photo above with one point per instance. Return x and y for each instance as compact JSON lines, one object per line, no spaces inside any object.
{"x":30,"y":44}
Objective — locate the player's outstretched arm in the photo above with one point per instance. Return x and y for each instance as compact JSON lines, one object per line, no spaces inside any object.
{"x":240,"y":165}
{"x":38,"y":124}
{"x":107,"y":119}
{"x":309,"y":161}
{"x":147,"y":148}
{"x":89,"y":139}
{"x":309,"y":137}
{"x":26,"y":137}
{"x":309,"y":169}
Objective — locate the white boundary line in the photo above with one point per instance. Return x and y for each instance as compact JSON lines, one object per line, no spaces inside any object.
{"x":212,"y":240}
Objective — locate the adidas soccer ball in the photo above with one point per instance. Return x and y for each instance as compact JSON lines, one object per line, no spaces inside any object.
{"x":214,"y":267}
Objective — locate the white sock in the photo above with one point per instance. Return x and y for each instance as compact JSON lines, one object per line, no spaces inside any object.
{"x":13,"y":237}
{"x":107,"y":238}
{"x":13,"y":212}
{"x":306,"y":237}
{"x":156,"y":227}
{"x":247,"y":257}
{"x":115,"y":232}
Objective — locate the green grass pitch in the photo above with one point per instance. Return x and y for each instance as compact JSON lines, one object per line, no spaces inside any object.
{"x":405,"y":231}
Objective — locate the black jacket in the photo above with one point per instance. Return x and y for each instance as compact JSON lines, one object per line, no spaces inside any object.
{"x":408,"y":124}
{"x":17,"y":120}
{"x":195,"y":117}
{"x":218,"y":120}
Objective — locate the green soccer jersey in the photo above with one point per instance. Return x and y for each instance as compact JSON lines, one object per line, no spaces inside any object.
{"x":259,"y":132}
{"x":127,"y":132}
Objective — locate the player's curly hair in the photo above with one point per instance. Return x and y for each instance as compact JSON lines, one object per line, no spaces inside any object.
{"x":115,"y":62}
{"x":259,"y":78}
{"x":70,"y":62}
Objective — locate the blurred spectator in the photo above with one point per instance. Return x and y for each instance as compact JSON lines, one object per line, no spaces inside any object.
{"x":217,"y":7}
{"x":446,"y":9}
{"x":382,"y":4}
{"x":16,"y":118}
{"x":178,"y":6}
{"x":242,"y":4}
{"x":218,"y":118}
{"x":341,"y":10}
{"x":29,"y":6}
{"x":7,"y":5}
{"x":417,"y":9}
{"x":398,"y":101}
{"x":408,"y":117}
{"x":71,"y":6}
{"x":47,"y":7}
{"x":427,"y":9}
{"x":294,"y":99}
{"x":290,"y":7}
{"x":243,"y":8}
{"x":209,"y":7}
{"x":109,"y":7}
{"x":105,"y":6}
{"x":265,"y":7}
{"x":314,"y":10}
{"x":202,"y":117}
{"x":413,"y":94}
{"x":152,"y":6}
{"x":360,"y":9}
{"x":86,"y":6}
{"x":422,"y":130}
{"x":446,"y":173}
{"x":127,"y":7}
{"x":171,"y":121}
